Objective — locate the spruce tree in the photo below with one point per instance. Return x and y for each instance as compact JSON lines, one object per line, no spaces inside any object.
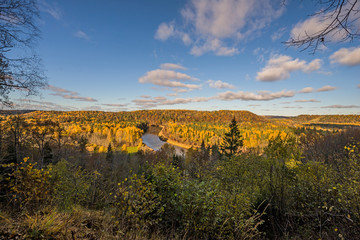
{"x":232,"y":140}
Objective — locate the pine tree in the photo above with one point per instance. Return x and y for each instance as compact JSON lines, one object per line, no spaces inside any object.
{"x":232,"y":140}
{"x":109,"y":154}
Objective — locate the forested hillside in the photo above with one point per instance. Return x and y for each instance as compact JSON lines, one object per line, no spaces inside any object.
{"x":87,"y":175}
{"x":344,"y":119}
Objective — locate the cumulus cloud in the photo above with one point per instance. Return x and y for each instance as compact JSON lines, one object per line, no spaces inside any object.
{"x":307,"y":101}
{"x":207,"y":23}
{"x":313,"y":26}
{"x":322,"y":89}
{"x":342,"y":106}
{"x":164,"y":31}
{"x":322,"y":22}
{"x":172,"y":66}
{"x":307,"y":90}
{"x":219,"y":84}
{"x":326,"y":88}
{"x":67,"y":94}
{"x":279,"y":68}
{"x":168,"y":78}
{"x":181,"y":90}
{"x":81,"y":34}
{"x":346,"y":56}
{"x":250,"y":96}
{"x":214,"y":45}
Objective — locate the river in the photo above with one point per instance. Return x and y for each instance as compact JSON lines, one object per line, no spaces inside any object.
{"x":153,"y":141}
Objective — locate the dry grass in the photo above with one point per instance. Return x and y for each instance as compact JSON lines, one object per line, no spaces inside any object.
{"x":78,"y":223}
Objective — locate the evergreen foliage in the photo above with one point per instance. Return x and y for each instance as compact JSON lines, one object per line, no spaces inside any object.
{"x":232,"y":140}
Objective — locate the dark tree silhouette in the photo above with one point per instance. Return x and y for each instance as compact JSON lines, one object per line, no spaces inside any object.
{"x":232,"y":140}
{"x":339,"y":18}
{"x":20,"y":67}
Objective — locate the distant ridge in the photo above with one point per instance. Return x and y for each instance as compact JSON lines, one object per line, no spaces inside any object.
{"x":156,"y":116}
{"x":14,"y":112}
{"x":355,"y":119}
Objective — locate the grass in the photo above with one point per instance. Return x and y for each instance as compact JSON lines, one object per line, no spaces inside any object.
{"x":132,"y":149}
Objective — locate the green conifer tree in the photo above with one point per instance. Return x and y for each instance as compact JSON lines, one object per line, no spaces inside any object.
{"x":232,"y":140}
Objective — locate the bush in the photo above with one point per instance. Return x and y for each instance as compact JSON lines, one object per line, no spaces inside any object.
{"x":29,"y":187}
{"x":163,"y":199}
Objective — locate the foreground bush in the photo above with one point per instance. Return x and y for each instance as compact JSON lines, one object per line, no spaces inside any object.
{"x":163,"y":198}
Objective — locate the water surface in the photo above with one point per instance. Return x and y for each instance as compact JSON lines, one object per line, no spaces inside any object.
{"x":153,"y":141}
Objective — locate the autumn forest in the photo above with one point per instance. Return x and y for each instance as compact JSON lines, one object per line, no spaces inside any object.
{"x":88,"y":175}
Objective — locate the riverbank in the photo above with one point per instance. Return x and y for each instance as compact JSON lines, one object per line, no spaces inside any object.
{"x":178,"y":144}
{"x":173,"y":142}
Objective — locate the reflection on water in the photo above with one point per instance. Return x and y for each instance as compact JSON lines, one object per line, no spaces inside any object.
{"x":154,"y":142}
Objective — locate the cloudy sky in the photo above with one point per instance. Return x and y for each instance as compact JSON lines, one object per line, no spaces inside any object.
{"x":193,"y":54}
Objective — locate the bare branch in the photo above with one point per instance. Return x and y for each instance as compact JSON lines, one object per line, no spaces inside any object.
{"x":18,"y":30}
{"x":338,"y":18}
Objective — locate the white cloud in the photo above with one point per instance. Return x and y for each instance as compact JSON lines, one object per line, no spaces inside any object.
{"x":278,"y":34}
{"x":184,"y":101}
{"x":307,"y":90}
{"x":113,"y":105}
{"x":346,"y":56}
{"x":326,"y":88}
{"x":322,"y":89}
{"x":307,"y":101}
{"x":259,"y":96}
{"x":186,"y":39}
{"x":219,"y":84}
{"x":181,"y":90}
{"x":168,"y":78}
{"x":313,"y":26}
{"x":67,"y":94}
{"x":52,"y":9}
{"x":41,"y":105}
{"x":260,"y":54}
{"x":214,"y":45}
{"x":327,"y":23}
{"x":342,"y":106}
{"x":206,"y":23}
{"x":79,"y":98}
{"x":161,"y":101}
{"x":81,"y":34}
{"x":61,"y":90}
{"x":165,"y":31}
{"x":279,"y":68}
{"x":172,"y":66}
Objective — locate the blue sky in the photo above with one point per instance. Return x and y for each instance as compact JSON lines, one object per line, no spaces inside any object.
{"x":192,"y":54}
